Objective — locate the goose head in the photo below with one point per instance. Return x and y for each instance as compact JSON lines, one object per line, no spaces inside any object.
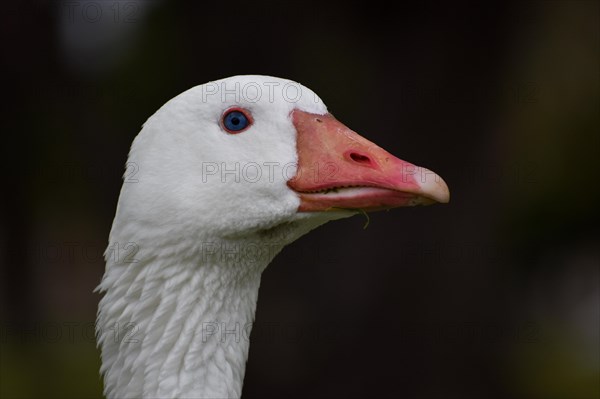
{"x":254,"y":160}
{"x":250,"y":153}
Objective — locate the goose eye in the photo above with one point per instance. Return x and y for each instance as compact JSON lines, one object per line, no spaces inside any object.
{"x":236,"y":120}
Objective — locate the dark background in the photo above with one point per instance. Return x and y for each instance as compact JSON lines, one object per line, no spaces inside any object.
{"x":495,"y":295}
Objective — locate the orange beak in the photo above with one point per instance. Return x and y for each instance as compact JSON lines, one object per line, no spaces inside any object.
{"x":338,"y":168}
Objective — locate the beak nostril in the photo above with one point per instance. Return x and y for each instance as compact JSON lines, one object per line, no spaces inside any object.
{"x":360,"y":158}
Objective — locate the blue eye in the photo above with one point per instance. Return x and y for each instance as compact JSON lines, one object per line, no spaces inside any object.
{"x":236,"y":120}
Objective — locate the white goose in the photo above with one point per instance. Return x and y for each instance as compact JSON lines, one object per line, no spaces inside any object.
{"x":226,"y":174}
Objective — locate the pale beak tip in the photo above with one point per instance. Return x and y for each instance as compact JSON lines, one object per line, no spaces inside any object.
{"x":434,"y":187}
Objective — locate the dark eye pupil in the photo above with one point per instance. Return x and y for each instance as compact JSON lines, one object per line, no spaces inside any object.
{"x":235,"y":121}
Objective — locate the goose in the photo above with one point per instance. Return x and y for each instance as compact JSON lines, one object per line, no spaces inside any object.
{"x":218,"y":181}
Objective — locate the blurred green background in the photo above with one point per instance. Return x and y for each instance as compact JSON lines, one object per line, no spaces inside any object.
{"x":496,"y":295}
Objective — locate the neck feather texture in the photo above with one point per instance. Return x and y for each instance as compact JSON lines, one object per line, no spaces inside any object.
{"x":180,"y":328}
{"x":176,"y":315}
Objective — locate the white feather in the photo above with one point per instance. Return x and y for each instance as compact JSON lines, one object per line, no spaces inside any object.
{"x":192,"y":232}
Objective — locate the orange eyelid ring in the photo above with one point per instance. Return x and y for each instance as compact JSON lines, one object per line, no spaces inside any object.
{"x":236,"y":120}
